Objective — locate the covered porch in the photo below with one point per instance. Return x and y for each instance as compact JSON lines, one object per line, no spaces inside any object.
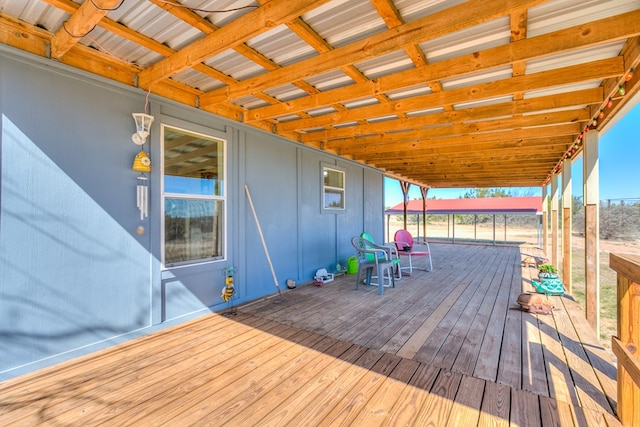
{"x":447,"y":347}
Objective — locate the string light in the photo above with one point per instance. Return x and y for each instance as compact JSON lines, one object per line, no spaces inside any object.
{"x":629,"y":75}
{"x":621,"y":90}
{"x":609,"y":103}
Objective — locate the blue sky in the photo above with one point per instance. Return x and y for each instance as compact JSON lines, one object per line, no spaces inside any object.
{"x":619,"y":151}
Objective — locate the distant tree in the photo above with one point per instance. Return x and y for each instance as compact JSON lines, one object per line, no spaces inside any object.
{"x":479,"y":193}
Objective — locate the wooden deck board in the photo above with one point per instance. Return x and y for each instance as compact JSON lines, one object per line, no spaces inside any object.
{"x":467,"y":404}
{"x":496,"y":405}
{"x":444,"y":347}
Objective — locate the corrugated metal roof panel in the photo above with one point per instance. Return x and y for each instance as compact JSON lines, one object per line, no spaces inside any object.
{"x":35,"y":12}
{"x":321,"y":111}
{"x":361,"y":103}
{"x":286,"y":92}
{"x":235,"y":65}
{"x":410,"y":10}
{"x":196,"y":79}
{"x":330,"y":80}
{"x":221,"y":12}
{"x":385,"y":64}
{"x":250,"y":101}
{"x":574,"y":57}
{"x":486,"y":35}
{"x":282,"y":46}
{"x":501,"y":73}
{"x":425,"y":112}
{"x":340,"y":22}
{"x":562,"y":89}
{"x":406,"y":93}
{"x":555,"y":15}
{"x":482,"y":102}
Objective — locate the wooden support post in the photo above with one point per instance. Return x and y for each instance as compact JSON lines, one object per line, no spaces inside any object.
{"x":494,"y":229}
{"x":545,"y":221}
{"x":567,"y":205}
{"x":592,"y":229}
{"x":453,"y":227}
{"x":404,"y":186}
{"x":424,"y":191}
{"x":505,"y":229}
{"x":554,"y":219}
{"x":626,"y":345}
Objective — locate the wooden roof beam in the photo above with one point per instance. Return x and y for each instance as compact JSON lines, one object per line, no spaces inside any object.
{"x":79,"y":25}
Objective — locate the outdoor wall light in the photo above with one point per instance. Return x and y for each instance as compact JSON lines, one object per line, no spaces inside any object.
{"x":143,"y":126}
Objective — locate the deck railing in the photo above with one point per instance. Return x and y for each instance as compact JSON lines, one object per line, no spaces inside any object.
{"x":626,"y":345}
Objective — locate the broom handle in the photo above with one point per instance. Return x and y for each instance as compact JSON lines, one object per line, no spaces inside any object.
{"x":264,"y":244}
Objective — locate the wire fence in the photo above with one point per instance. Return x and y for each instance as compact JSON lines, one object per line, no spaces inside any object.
{"x":619,"y":219}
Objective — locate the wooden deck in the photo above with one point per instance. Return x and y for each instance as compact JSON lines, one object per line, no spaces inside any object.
{"x":443,"y":348}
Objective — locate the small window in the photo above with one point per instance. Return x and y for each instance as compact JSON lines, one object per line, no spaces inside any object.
{"x":333,"y":189}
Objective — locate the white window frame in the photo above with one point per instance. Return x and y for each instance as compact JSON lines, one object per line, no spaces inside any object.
{"x":209,"y":134}
{"x":324,"y":167}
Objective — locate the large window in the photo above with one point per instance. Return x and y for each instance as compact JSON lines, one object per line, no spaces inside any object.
{"x":333,"y":188}
{"x":193,"y":197}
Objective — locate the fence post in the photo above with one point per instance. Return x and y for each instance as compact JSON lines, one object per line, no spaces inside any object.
{"x":626,"y":345}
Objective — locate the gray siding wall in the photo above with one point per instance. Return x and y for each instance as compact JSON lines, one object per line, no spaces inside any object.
{"x":74,"y":274}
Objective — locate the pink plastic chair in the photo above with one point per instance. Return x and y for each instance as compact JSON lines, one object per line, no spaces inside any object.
{"x":404,"y":242}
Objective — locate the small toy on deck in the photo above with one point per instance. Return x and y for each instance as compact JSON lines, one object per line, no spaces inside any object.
{"x":535,"y":303}
{"x":322,"y":277}
{"x":340,"y":270}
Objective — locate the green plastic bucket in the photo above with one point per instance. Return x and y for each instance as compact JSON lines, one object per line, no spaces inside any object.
{"x":352,"y":265}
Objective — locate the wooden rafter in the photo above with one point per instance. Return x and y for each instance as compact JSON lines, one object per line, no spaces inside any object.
{"x":79,"y":24}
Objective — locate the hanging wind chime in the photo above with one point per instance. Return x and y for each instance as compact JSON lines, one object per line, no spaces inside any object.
{"x":142,"y":164}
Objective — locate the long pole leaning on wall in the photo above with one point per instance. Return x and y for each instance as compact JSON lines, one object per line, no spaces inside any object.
{"x":264,"y":244}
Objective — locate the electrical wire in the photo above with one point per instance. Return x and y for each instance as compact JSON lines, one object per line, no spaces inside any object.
{"x":195,"y":9}
{"x":106,"y":9}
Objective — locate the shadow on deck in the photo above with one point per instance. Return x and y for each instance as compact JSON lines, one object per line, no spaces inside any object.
{"x":447,"y":347}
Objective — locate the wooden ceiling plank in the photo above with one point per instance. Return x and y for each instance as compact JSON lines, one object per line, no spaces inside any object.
{"x":79,"y":25}
{"x":472,"y":12}
{"x":229,"y":36}
{"x":577,"y":37}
